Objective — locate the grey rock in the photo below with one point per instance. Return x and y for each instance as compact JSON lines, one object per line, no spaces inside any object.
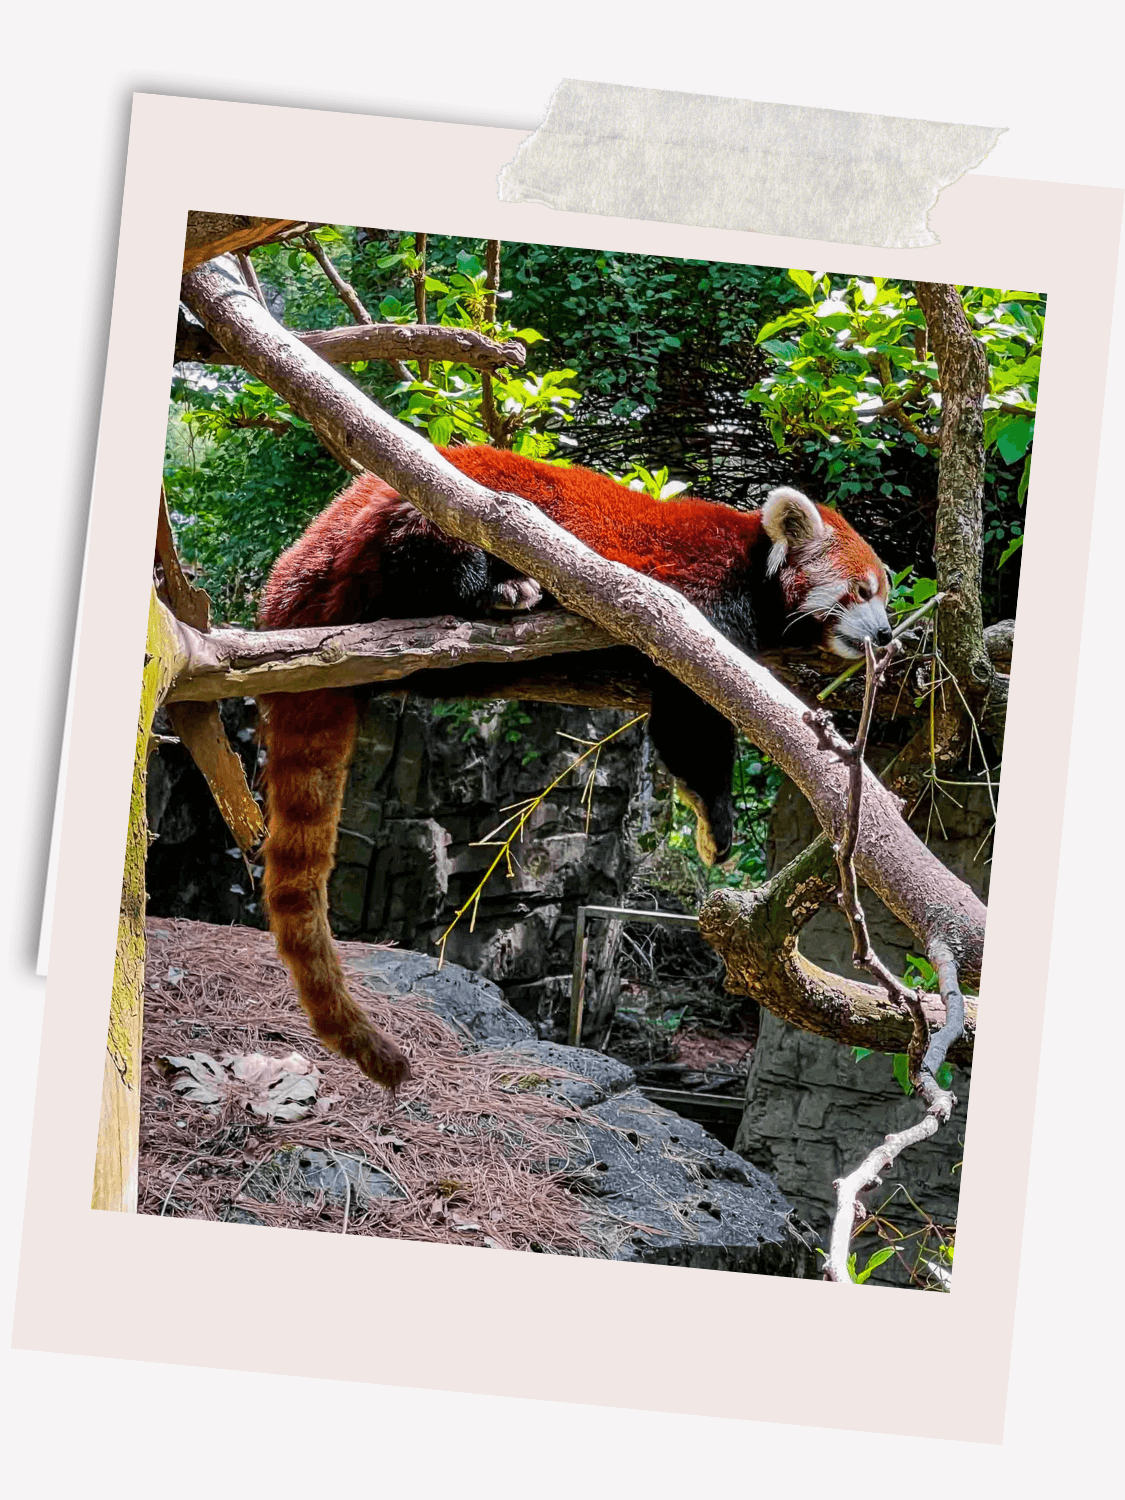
{"x":306,"y":1171}
{"x":597,"y":1076}
{"x":473,"y":1005}
{"x":633,"y":1161}
{"x":702,"y":1205}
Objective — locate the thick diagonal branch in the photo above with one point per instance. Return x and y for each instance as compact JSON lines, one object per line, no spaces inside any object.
{"x":637,"y":610}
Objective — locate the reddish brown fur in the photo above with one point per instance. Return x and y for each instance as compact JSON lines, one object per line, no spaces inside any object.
{"x":336,"y":574}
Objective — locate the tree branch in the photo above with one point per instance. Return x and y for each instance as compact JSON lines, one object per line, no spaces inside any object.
{"x":418,"y":277}
{"x":925,"y":1058}
{"x":959,"y":630}
{"x":386,"y":341}
{"x":181,"y":606}
{"x":344,"y":290}
{"x":246,"y":663}
{"x":250,"y":276}
{"x":209,"y":235}
{"x":639,"y":611}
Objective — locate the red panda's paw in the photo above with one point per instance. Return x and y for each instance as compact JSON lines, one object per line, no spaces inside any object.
{"x":515,"y":594}
{"x":375,"y":1054}
{"x":712,"y":837}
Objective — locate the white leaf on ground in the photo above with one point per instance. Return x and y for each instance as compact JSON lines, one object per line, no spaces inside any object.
{"x":201,"y":1078}
{"x":275,"y":1088}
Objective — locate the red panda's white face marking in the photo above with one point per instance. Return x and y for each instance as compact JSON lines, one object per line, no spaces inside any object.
{"x":826,"y":571}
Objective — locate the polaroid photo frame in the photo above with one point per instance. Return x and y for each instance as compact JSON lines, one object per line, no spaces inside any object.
{"x":424,"y":1315}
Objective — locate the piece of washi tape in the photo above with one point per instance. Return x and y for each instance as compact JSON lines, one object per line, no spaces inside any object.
{"x":784,"y":169}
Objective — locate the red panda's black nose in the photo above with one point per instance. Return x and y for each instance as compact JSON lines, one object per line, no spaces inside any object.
{"x":883,"y":636}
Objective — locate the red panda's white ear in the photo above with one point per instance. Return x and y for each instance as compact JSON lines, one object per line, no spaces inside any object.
{"x":790,"y":520}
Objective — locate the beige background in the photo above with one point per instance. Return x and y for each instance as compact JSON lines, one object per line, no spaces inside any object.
{"x":442,"y":1316}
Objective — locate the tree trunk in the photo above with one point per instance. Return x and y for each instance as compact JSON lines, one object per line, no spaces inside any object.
{"x":115,"y":1166}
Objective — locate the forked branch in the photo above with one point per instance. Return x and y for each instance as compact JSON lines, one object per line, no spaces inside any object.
{"x":925,"y":1057}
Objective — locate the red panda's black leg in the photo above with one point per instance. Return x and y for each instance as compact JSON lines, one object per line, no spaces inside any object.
{"x":697,"y":744}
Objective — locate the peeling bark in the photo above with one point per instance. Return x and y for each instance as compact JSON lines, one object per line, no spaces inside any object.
{"x":209,"y":235}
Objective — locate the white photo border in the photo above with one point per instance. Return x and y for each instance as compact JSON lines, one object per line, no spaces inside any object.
{"x":446,"y":1317}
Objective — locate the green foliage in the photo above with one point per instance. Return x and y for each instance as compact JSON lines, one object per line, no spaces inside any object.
{"x":449,"y":405}
{"x":245,"y":475}
{"x":909,"y":591}
{"x":920,"y":975}
{"x":239,"y":496}
{"x":757,"y":781}
{"x":501,"y":717}
{"x":617,"y":316}
{"x":875,"y":1260}
{"x":852,"y":378}
{"x":658,"y":485}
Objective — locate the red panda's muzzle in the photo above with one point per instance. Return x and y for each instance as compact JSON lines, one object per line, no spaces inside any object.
{"x":865,"y":619}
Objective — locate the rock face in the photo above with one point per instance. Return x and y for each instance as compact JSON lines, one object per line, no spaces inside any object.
{"x":639,"y":1164}
{"x":427,"y":785}
{"x":812,"y":1111}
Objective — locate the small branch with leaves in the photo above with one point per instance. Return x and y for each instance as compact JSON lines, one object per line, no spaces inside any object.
{"x":520,"y":814}
{"x":924,"y":1056}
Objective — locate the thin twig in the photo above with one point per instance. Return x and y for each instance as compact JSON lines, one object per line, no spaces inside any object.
{"x":900,"y":629}
{"x":179,"y":1174}
{"x":494,"y":426}
{"x":346,"y":292}
{"x":250,"y":276}
{"x":418,"y":277}
{"x":925,"y":1056}
{"x":520,"y":818}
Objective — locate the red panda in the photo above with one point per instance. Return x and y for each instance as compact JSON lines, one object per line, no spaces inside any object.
{"x":791,"y":572}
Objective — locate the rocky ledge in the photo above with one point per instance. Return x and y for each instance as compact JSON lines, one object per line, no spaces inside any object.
{"x":656,"y":1186}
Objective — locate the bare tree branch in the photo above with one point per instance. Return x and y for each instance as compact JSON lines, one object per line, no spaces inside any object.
{"x":418,"y":277}
{"x":246,"y":663}
{"x":496,"y":428}
{"x":386,"y":341}
{"x":198,"y":725}
{"x":344,"y":290}
{"x":250,"y":276}
{"x":202,"y":734}
{"x":924,"y":1059}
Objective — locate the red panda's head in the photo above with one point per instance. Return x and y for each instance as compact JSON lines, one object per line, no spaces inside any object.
{"x":827,"y":572}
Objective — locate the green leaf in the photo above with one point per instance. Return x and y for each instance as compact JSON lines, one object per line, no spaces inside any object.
{"x":875,"y":1262}
{"x":922,"y":969}
{"x":902,"y":1073}
{"x":1014,"y":438}
{"x":859,"y":1053}
{"x":804,"y":280}
{"x":944,"y":1076}
{"x":440,"y":430}
{"x":1021,"y":493}
{"x":1013,"y":547}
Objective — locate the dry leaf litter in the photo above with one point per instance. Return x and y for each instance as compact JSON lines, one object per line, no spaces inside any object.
{"x":245,"y":1117}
